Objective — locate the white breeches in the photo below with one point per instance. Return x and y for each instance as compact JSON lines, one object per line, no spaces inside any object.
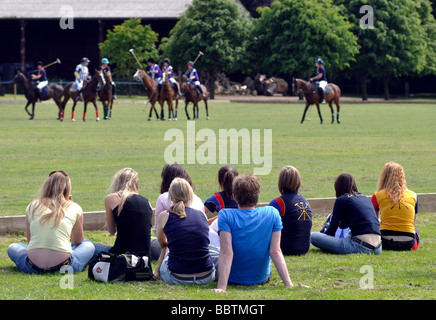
{"x":323,"y":84}
{"x":41,"y":85}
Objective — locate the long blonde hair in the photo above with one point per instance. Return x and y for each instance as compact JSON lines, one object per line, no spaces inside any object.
{"x":125,"y":183}
{"x":393,"y":180}
{"x":181,"y":194}
{"x":54,"y":196}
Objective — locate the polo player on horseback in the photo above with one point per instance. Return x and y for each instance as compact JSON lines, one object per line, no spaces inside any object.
{"x":192,"y":77}
{"x":81,"y":74}
{"x":154,"y":71}
{"x":40,"y":76}
{"x":107,"y":70}
{"x":169,"y":69}
{"x":320,"y":79}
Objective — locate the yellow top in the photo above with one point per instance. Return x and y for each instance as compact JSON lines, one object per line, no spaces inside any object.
{"x":398,"y":216}
{"x":46,"y":236}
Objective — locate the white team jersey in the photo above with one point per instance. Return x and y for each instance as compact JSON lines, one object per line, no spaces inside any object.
{"x":83,"y":71}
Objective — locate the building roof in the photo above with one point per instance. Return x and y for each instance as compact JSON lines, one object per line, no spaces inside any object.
{"x":92,"y":9}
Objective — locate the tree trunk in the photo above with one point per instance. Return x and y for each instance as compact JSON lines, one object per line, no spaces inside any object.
{"x":386,"y":87}
{"x":212,"y":85}
{"x":363,"y":80}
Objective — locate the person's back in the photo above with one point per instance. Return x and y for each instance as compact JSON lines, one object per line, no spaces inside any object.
{"x":296,"y":217}
{"x":133,"y":226}
{"x":188,"y":242}
{"x":251,"y":231}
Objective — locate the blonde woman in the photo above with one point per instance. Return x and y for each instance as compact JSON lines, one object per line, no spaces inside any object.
{"x":184,"y":231}
{"x":128,"y":215}
{"x":397,"y":207}
{"x":52,"y":222}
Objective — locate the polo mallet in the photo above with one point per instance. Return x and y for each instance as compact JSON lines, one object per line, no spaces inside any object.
{"x":199,"y":54}
{"x":50,"y":64}
{"x":133,"y":53}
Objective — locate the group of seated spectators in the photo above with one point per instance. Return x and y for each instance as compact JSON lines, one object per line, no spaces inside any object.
{"x":228,"y":238}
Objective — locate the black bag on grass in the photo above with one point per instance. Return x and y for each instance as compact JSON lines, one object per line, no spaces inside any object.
{"x":109,"y":267}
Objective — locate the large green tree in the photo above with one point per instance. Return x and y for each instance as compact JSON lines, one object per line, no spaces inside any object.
{"x":131,"y":34}
{"x":291,"y":34}
{"x":400,"y":42}
{"x":218,"y":28}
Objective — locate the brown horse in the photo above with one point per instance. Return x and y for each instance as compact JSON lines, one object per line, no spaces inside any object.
{"x":54,"y":92}
{"x":168,"y":94}
{"x":192,"y":95}
{"x":150,"y":87}
{"x":89,"y":94}
{"x":332,"y":93}
{"x":106,"y":96}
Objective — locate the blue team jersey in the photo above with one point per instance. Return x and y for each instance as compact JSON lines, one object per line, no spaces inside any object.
{"x":192,"y":73}
{"x":218,"y":201}
{"x":324,"y":75}
{"x":43,"y":75}
{"x":170,"y":71}
{"x":154,"y":68}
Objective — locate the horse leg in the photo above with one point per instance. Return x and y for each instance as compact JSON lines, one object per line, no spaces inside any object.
{"x":207,"y":110}
{"x":331,"y":109}
{"x":177,"y":106}
{"x":97,"y":117}
{"x":72,"y":111}
{"x":186,"y":111}
{"x":25,"y":108}
{"x":319,"y":112}
{"x":33,"y":111}
{"x":84,"y":112}
{"x":337,"y":110}
{"x":304,"y":113}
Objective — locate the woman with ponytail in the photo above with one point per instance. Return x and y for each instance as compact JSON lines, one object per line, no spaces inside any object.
{"x":221,"y":200}
{"x":129,"y":215}
{"x":52,"y":222}
{"x":183,"y":232}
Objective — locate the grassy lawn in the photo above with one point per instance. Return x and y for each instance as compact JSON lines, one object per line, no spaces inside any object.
{"x":369,"y":136}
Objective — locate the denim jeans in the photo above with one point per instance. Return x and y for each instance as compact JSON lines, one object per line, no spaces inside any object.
{"x":340,"y":245}
{"x":166,"y":276}
{"x":80,"y":256}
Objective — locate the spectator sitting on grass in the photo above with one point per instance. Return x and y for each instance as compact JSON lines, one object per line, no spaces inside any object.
{"x":184,"y":231}
{"x":129,"y":215}
{"x":351,"y":210}
{"x":295,"y":213}
{"x":52,"y":222}
{"x":249,"y":238}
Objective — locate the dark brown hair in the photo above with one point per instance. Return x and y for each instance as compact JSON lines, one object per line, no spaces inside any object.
{"x":226,"y":175}
{"x":246,"y":189}
{"x":171,"y":171}
{"x":345,"y":184}
{"x":289,"y":180}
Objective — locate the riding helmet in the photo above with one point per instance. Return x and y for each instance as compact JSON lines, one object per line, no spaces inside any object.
{"x":319,"y":61}
{"x":85,"y":59}
{"x":105,"y":60}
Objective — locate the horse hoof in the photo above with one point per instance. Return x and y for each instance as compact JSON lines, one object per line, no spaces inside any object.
{"x":339,"y":121}
{"x":175,"y":119}
{"x":149,"y":119}
{"x":207,"y":118}
{"x":73,"y":120}
{"x":97,"y":119}
{"x":169,"y":119}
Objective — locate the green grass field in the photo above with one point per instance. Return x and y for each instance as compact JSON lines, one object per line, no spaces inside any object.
{"x":369,"y":136}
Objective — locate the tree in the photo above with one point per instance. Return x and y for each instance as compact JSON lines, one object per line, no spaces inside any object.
{"x":291,"y":34}
{"x":131,"y":34}
{"x":398,"y":43}
{"x":218,"y":28}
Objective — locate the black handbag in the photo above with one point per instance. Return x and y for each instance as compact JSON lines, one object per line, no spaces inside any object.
{"x":109,"y":267}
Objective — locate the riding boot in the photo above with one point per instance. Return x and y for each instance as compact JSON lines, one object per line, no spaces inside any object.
{"x":79,"y":97}
{"x":321,"y":94}
{"x":200,"y":89}
{"x":114,"y":95}
{"x":176,"y":88}
{"x":38,"y":95}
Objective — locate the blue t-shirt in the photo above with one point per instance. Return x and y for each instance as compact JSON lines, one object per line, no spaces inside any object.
{"x":251,"y":232}
{"x":296,"y":217}
{"x":43,"y":75}
{"x":154,"y":68}
{"x":192,"y":73}
{"x":170,"y":71}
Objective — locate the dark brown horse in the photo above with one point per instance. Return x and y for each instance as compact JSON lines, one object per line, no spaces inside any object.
{"x":192,"y":95}
{"x":54,"y":92}
{"x":168,"y":94}
{"x":151,"y":88}
{"x":332,"y":93}
{"x":106,"y":96}
{"x":89,"y":94}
